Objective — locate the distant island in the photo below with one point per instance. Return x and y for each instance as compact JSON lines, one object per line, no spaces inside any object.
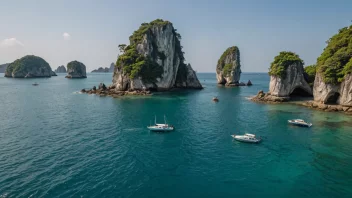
{"x":328,"y":82}
{"x":3,"y":67}
{"x":61,"y":69}
{"x":104,"y":70}
{"x":101,"y":70}
{"x":29,"y":66}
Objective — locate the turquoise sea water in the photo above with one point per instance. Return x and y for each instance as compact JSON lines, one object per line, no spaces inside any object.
{"x":55,"y":142}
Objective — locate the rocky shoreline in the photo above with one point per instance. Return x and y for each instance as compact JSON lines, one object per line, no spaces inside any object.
{"x":325,"y":107}
{"x":267,"y":98}
{"x":102,"y":90}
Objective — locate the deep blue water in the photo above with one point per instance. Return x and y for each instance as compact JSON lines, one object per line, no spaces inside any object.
{"x":55,"y":142}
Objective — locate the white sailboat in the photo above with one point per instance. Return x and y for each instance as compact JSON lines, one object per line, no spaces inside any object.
{"x":161,"y":127}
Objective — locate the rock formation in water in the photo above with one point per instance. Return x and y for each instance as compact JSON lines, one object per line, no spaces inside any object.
{"x":29,"y":66}
{"x":76,"y":69}
{"x":101,"y":70}
{"x":228,"y":69}
{"x":154,"y":60}
{"x":286,"y":79}
{"x":52,"y":73}
{"x":333,"y":80}
{"x":61,"y":69}
{"x":3,"y":67}
{"x":112,"y":67}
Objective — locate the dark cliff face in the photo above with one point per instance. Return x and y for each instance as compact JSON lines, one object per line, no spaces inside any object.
{"x":28,"y":67}
{"x":154,"y":60}
{"x":228,"y":69}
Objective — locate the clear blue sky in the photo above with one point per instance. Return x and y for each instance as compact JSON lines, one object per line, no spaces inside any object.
{"x":261,"y":29}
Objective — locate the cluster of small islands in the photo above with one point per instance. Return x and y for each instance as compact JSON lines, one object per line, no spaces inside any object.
{"x":154,"y":61}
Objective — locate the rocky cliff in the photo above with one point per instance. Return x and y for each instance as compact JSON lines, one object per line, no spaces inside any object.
{"x":28,"y":67}
{"x":333,"y":80}
{"x":3,"y":67}
{"x":76,"y":69}
{"x":228,"y":69}
{"x":287,"y":79}
{"x":61,"y":69}
{"x":154,"y":60}
{"x":287,"y":76}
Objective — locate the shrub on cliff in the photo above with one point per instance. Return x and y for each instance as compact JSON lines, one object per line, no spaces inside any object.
{"x":282,"y":61}
{"x":336,"y":60}
{"x":310,"y":70}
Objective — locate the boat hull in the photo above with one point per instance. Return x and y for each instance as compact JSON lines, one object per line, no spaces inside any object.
{"x":300,"y":124}
{"x":246,"y":140}
{"x":160,"y":129}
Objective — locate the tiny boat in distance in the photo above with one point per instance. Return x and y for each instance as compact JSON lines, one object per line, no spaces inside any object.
{"x":247,"y":137}
{"x":35,"y":84}
{"x":215,"y":99}
{"x":300,"y":122}
{"x":161,"y":127}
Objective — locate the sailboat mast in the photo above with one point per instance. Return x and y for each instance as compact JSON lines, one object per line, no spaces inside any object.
{"x":165,"y":119}
{"x":155,"y":120}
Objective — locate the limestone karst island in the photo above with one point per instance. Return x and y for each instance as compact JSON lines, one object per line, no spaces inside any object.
{"x":328,"y":83}
{"x":153,"y":61}
{"x":176,"y":99}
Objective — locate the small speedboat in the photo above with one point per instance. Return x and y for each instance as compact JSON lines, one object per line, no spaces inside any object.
{"x":247,"y":137}
{"x":161,"y":127}
{"x":300,"y":122}
{"x":35,"y":84}
{"x":215,"y":99}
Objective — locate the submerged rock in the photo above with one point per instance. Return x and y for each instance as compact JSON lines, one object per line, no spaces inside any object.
{"x":29,"y":66}
{"x":154,"y":60}
{"x":76,"y":69}
{"x":228,"y":69}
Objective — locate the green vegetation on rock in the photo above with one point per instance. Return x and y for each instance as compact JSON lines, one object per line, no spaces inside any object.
{"x":336,"y":60}
{"x":75,"y":66}
{"x":227,"y":69}
{"x":27,"y":64}
{"x":310,"y":70}
{"x":281,"y":63}
{"x":221,"y":62}
{"x":134,"y":64}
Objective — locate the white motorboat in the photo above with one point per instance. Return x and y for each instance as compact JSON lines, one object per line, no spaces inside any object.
{"x":300,"y":122}
{"x":247,"y":137}
{"x":161,"y":127}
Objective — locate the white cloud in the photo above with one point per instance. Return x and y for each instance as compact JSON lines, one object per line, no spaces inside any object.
{"x":10,"y":42}
{"x":66,"y":36}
